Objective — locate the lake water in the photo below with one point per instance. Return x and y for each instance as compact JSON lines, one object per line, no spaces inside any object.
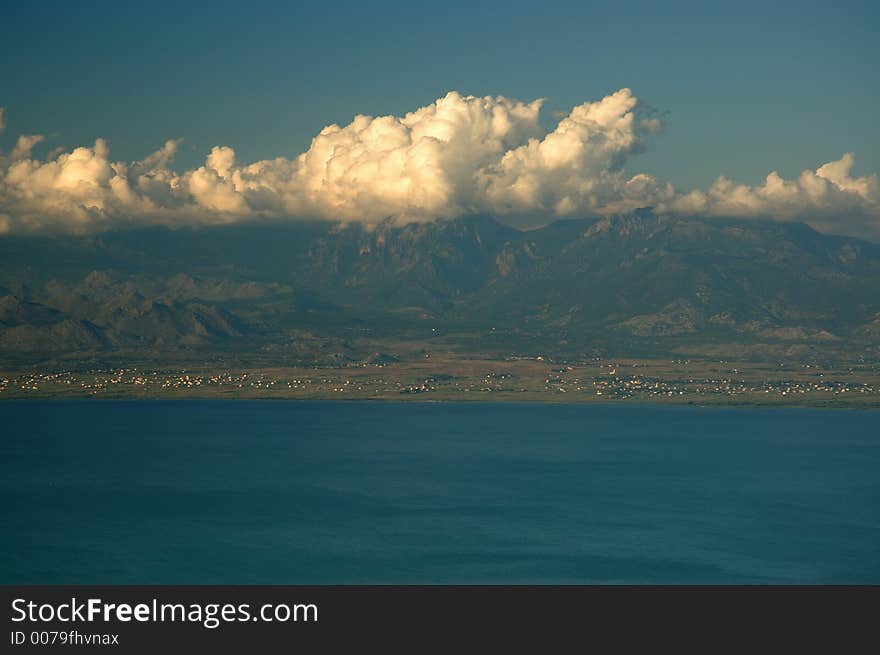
{"x":298,"y":492}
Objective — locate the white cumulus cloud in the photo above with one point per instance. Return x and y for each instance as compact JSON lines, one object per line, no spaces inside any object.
{"x":829,"y":198}
{"x":458,"y":155}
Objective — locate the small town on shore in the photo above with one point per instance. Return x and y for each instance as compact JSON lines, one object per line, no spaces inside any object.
{"x":460,"y":378}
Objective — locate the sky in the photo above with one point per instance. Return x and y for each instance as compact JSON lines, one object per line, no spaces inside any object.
{"x":723,"y":89}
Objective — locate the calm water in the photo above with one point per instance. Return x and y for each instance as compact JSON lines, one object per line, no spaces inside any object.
{"x":293,"y":492}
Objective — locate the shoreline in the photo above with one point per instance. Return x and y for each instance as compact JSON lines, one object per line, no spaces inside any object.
{"x":535,"y":399}
{"x":714,"y":383}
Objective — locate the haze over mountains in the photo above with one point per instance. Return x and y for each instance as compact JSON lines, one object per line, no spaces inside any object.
{"x":631,"y":284}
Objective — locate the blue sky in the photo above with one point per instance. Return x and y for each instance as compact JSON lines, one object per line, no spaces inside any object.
{"x":744,"y":87}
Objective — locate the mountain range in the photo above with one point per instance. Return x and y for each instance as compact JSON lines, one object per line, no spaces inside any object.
{"x":638,"y":284}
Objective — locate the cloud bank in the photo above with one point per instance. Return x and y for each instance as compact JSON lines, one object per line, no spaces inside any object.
{"x":459,"y":155}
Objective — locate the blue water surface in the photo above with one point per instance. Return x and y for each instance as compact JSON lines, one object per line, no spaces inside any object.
{"x":280,"y":492}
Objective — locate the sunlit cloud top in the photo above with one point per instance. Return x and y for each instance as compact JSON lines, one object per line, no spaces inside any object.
{"x":459,"y":155}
